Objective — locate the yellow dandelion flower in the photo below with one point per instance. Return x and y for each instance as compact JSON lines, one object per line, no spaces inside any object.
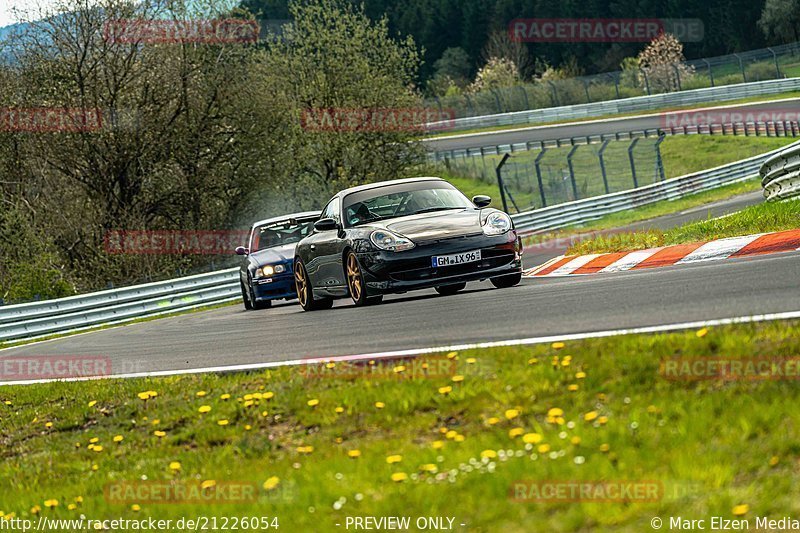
{"x":222,"y":422}
{"x":354,"y":453}
{"x":36,"y":510}
{"x":118,"y":438}
{"x":225,"y":397}
{"x":492,"y":421}
{"x":774,"y":460}
{"x":95,"y":468}
{"x":51,"y":504}
{"x":72,"y":507}
{"x":48,"y":425}
{"x":92,"y":403}
{"x":248,"y":427}
{"x":591,"y":415}
{"x":174,"y":466}
{"x":471,"y":360}
{"x":437,"y":444}
{"x":457,"y":378}
{"x":555,"y":412}
{"x":575,"y":440}
{"x":511,"y":413}
{"x":204,"y":409}
{"x":394,"y":459}
{"x":558,"y":345}
{"x":136,"y":507}
{"x":249,"y":403}
{"x":604,"y":447}
{"x":97,"y":449}
{"x":271,"y":483}
{"x":94,"y":440}
{"x":330,"y":365}
{"x":338,"y":440}
{"x":264,"y":414}
{"x":459,"y":438}
{"x":580,"y":375}
{"x":739,"y":510}
{"x":79,"y":499}
{"x":602,"y":420}
{"x":305,"y":449}
{"x":566,"y":362}
{"x":208,"y":484}
{"x":380,"y":405}
{"x":398,"y":477}
{"x":452,"y":355}
{"x":268,"y":395}
{"x":313,"y":403}
{"x":489,"y":454}
{"x":144,"y":396}
{"x":429,"y":467}
{"x":159,"y":434}
{"x":572,"y":388}
{"x":702,"y":332}
{"x":533,"y":361}
{"x":339,"y":410}
{"x":200,"y":393}
{"x":543,"y":448}
{"x":652,"y":409}
{"x":445,"y":390}
{"x":515,"y":432}
{"x":399,"y":369}
{"x":451,"y":434}
{"x":531,"y":438}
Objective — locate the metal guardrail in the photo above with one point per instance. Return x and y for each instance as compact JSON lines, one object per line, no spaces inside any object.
{"x":623,"y":105}
{"x":780,"y":174}
{"x":38,"y":319}
{"x":586,"y":210}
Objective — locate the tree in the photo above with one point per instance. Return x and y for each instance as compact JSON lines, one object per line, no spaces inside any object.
{"x":500,"y":45}
{"x":662,"y":61}
{"x":496,"y":73}
{"x":780,"y":19}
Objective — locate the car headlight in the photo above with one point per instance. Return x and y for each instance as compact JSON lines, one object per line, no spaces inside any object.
{"x":496,"y":223}
{"x":386,"y":240}
{"x":269,"y":270}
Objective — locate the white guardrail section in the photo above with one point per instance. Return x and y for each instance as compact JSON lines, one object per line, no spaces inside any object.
{"x":780,"y":174}
{"x":39,"y":319}
{"x":623,"y":105}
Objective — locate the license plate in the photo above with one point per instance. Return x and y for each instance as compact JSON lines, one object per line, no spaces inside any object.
{"x":456,"y":259}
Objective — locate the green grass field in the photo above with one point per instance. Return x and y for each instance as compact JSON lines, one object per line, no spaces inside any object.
{"x":395,"y":439}
{"x":762,"y":218}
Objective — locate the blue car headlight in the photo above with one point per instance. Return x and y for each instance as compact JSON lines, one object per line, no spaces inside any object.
{"x":269,"y":270}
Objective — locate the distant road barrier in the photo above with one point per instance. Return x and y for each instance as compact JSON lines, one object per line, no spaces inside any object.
{"x":780,"y":174}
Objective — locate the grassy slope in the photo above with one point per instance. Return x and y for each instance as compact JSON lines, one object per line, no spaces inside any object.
{"x":731,"y":443}
{"x":762,"y":218}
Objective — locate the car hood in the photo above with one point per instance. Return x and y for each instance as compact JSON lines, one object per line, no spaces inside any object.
{"x":436,"y":225}
{"x":277,"y":254}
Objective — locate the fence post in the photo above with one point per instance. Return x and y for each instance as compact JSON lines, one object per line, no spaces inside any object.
{"x":659,"y":161}
{"x":555,"y":93}
{"x":603,"y":164}
{"x":741,"y":67}
{"x":572,"y":171}
{"x":710,"y":73}
{"x":775,"y":58}
{"x":525,"y":94}
{"x":539,"y":175}
{"x":646,"y":81}
{"x":615,"y":78}
{"x":586,"y":90}
{"x":499,"y":174}
{"x":496,"y":99}
{"x":633,"y":164}
{"x":677,"y":75}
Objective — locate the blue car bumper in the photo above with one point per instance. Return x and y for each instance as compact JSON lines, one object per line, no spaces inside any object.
{"x":280,"y":287}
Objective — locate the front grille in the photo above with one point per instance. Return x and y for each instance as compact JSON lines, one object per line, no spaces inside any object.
{"x":492,"y":258}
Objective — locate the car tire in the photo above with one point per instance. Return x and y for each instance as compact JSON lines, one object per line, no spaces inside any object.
{"x":355,"y":282}
{"x":305,"y":292}
{"x":449,"y":290}
{"x":250,"y":302}
{"x":248,"y":306}
{"x":504,"y":282}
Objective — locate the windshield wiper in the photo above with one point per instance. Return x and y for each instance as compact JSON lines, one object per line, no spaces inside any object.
{"x":432,"y":209}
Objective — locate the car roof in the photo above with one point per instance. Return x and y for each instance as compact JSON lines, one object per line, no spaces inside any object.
{"x":304,"y":214}
{"x":380,"y":184}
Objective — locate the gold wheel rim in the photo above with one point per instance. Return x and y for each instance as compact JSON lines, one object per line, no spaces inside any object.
{"x":354,"y":277}
{"x":300,"y":283}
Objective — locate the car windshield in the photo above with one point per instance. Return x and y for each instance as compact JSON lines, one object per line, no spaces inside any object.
{"x":402,"y":200}
{"x":280,"y":233}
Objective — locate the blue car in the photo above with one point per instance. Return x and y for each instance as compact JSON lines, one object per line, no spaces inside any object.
{"x":266,"y":273}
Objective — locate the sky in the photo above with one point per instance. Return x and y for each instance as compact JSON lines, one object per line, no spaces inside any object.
{"x":7,"y":8}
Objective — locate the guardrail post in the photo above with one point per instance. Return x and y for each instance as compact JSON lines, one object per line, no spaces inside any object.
{"x":572,"y":172}
{"x":602,"y":162}
{"x":499,"y":173}
{"x":710,"y":73}
{"x":633,"y":164}
{"x":539,"y":175}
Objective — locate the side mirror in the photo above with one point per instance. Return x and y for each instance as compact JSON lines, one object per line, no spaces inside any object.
{"x":241,"y":250}
{"x":481,"y":200}
{"x":325,"y":224}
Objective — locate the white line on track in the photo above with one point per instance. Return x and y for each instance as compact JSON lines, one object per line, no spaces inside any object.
{"x":453,"y":348}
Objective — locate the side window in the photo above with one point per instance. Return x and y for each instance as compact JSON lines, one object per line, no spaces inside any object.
{"x":332,"y":210}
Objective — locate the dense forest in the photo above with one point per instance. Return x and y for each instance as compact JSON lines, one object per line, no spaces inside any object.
{"x":436,"y":25}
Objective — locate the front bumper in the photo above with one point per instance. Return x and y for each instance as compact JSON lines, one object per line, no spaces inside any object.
{"x":275,"y":288}
{"x":392,"y":272}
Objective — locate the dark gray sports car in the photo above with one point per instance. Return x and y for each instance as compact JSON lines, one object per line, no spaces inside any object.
{"x":397,"y":236}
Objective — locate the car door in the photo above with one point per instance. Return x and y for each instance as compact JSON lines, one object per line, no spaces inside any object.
{"x":325,"y":267}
